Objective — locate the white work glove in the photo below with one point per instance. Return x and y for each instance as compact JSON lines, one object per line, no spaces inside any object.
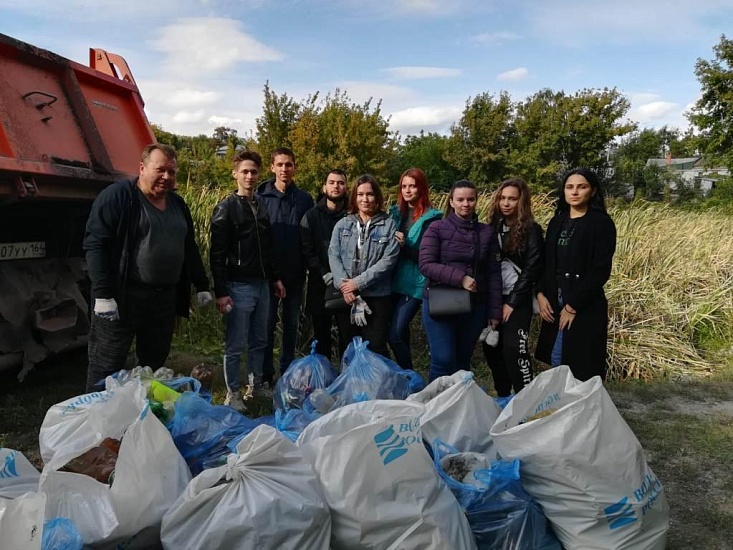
{"x":106,"y":308}
{"x":489,"y":336}
{"x":328,"y":278}
{"x":359,"y":311}
{"x":204,"y":298}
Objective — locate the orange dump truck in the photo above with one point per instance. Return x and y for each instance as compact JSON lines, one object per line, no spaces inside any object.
{"x":66,"y":132}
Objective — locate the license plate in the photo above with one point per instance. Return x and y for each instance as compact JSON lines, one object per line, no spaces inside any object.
{"x":22,"y":251}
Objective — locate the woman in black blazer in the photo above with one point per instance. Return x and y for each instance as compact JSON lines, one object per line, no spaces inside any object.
{"x":579,"y":248}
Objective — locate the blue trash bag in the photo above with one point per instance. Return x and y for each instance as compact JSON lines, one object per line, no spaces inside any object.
{"x":201,"y":431}
{"x":365,"y":376}
{"x":303,"y":376}
{"x":187,"y":383}
{"x":503,"y":401}
{"x":416,"y":382}
{"x":268,"y":420}
{"x":61,"y":534}
{"x":500,"y":512}
{"x":292,"y":423}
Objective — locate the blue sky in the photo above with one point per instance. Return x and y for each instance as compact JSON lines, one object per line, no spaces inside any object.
{"x":203,"y":63}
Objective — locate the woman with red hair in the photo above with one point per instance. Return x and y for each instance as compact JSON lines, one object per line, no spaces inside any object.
{"x":412,"y":214}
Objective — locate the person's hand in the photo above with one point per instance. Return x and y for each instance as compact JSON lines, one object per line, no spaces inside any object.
{"x":328,"y":278}
{"x":469,"y":283}
{"x":506,"y":312}
{"x":349,"y":297}
{"x":203,"y":298}
{"x":400,"y":237}
{"x":359,"y":311}
{"x":279,"y":289}
{"x":567,"y":316}
{"x":225,"y":304}
{"x":546,"y":312}
{"x":106,"y":308}
{"x":348,"y":285}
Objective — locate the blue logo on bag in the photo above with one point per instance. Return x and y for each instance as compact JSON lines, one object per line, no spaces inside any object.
{"x":9,"y":467}
{"x":620,"y":514}
{"x":391,"y":446}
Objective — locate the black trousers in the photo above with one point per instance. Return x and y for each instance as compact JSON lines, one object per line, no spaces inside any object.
{"x":377,"y":328}
{"x":149,"y":318}
{"x":509,"y":361}
{"x":322,"y":324}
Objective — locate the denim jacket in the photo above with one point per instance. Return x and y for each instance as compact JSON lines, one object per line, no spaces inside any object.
{"x":378,"y":255}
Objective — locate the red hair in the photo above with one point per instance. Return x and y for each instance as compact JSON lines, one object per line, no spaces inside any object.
{"x":423,"y":198}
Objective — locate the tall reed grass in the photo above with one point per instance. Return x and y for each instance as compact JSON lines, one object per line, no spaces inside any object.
{"x":670,"y":293}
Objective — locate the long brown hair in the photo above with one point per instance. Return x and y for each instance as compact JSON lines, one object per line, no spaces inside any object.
{"x":423,"y":197}
{"x":518,"y":232}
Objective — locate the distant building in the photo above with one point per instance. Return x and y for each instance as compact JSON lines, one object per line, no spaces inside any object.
{"x":693,"y":171}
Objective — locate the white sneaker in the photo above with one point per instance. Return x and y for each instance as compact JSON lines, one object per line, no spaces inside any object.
{"x":234,"y":400}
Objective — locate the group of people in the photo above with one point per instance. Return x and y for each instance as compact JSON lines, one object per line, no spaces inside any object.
{"x":368,"y":271}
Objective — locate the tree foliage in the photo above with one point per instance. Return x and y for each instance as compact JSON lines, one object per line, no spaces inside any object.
{"x":427,"y":152}
{"x":480,"y":141}
{"x":338,"y":133}
{"x":713,"y":112}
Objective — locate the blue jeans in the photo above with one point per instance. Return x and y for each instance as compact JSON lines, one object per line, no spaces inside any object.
{"x":404,"y":309}
{"x":246,"y":325}
{"x":556,"y":354}
{"x":452,"y":338}
{"x":290,"y":321}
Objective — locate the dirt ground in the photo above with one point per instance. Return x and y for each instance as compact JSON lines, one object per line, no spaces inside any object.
{"x":685,"y":427}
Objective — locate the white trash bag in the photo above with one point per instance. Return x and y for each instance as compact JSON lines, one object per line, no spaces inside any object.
{"x":380,"y":482}
{"x":583,"y":464}
{"x":266,"y":497}
{"x":458,"y":412}
{"x":21,"y":506}
{"x":149,"y":472}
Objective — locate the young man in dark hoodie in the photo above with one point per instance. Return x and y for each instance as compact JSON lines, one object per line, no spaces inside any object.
{"x":285,"y":205}
{"x":242,"y":259}
{"x":315,"y":235}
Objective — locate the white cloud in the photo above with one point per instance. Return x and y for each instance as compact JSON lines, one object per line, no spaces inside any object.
{"x":431,"y":118}
{"x":188,"y":117}
{"x":655,"y":110}
{"x":176,"y":95}
{"x":210,"y":44}
{"x":514,"y":75}
{"x":494,"y":38}
{"x":414,"y":73}
{"x":224,"y":121}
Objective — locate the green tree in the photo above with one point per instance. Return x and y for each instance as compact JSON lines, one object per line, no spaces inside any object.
{"x":480,"y":142}
{"x":713,"y":112}
{"x":427,"y":152}
{"x":335,"y":132}
{"x":630,"y":157}
{"x":279,"y":115}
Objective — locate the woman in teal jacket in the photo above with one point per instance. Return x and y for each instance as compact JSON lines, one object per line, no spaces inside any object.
{"x":412,"y":214}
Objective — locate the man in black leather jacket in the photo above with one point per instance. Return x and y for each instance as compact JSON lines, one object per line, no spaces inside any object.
{"x":243,"y":267}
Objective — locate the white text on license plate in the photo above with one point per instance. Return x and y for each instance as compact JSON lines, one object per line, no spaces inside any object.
{"x":22,"y":251}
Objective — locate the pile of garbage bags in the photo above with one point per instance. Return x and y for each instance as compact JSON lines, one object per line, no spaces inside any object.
{"x":369,"y":458}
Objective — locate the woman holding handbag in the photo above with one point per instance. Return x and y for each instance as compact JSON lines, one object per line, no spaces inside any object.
{"x":459,"y":257}
{"x":362,"y":255}
{"x":520,"y":241}
{"x":413,"y":213}
{"x":579,"y":248}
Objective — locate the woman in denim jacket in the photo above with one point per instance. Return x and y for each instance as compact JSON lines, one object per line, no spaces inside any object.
{"x":362,"y":255}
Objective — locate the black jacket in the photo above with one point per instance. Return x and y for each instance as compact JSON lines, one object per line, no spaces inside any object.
{"x":590,"y":256}
{"x":110,"y":233}
{"x":285,"y":211}
{"x":315,"y":236}
{"x":241,"y":243}
{"x":530,"y":260}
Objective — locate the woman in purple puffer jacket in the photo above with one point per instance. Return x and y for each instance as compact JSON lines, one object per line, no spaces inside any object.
{"x":460,"y":252}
